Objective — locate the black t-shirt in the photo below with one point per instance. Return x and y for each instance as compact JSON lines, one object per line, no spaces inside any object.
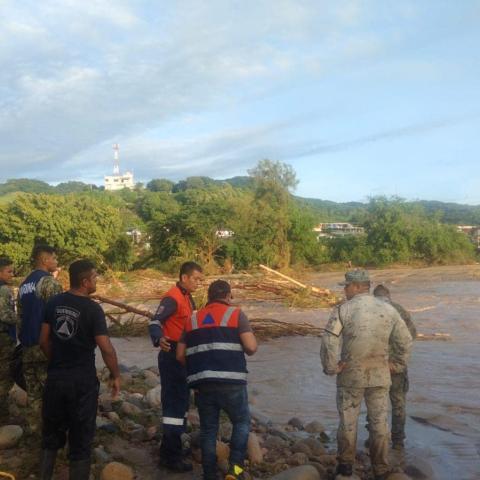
{"x":74,"y":321}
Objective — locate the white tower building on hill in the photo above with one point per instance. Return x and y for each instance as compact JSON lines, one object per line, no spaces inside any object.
{"x":118,"y":181}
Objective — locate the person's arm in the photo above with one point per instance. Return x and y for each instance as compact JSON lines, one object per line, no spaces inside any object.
{"x":44,"y":341}
{"x":47,"y":287}
{"x":167,"y":307}
{"x":247,"y":337}
{"x":109,"y":356}
{"x":7,"y":306}
{"x":400,"y":344}
{"x":407,"y":318}
{"x":331,"y":343}
{"x":181,"y":352}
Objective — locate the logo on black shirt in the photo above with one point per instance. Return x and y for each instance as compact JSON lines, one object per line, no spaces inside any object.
{"x":66,"y":322}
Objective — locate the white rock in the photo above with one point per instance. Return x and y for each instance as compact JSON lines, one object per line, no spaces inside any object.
{"x":153,"y":397}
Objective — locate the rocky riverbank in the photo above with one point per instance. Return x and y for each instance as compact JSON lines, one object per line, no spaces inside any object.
{"x":129,"y":429}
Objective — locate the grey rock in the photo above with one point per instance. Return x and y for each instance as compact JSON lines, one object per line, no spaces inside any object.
{"x":101,"y":456}
{"x":315,"y":446}
{"x":301,"y":447}
{"x":123,"y":368}
{"x":10,"y":435}
{"x":273,"y":441}
{"x":304,"y":472}
{"x":314,"y":427}
{"x":259,"y":417}
{"x":130,"y":409}
{"x":153,"y":397}
{"x":296,"y":422}
{"x":298,"y":459}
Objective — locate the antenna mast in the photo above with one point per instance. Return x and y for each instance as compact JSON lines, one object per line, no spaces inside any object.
{"x":116,"y":163}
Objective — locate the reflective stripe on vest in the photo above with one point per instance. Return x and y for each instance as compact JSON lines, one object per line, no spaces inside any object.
{"x":214,"y":346}
{"x":173,"y":421}
{"x":214,"y":374}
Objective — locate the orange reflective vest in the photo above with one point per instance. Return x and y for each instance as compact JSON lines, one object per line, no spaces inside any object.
{"x":175,"y":324}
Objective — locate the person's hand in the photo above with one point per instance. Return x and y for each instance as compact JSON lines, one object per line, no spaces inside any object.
{"x":56,"y":273}
{"x":114,"y":384}
{"x":340,"y":367}
{"x":165,"y":344}
{"x":155,"y":334}
{"x":392,"y":367}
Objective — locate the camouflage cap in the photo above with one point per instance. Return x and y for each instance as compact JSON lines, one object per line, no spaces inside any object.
{"x":356,"y":276}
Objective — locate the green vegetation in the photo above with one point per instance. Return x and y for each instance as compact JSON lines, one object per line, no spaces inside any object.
{"x":234,"y":223}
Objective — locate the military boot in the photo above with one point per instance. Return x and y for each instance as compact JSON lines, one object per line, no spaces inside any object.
{"x":47,"y":464}
{"x":79,"y":469}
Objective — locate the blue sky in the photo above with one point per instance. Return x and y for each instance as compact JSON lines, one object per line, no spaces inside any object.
{"x":362,"y":98}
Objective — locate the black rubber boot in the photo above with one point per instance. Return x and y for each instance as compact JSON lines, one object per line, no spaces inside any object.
{"x":79,"y":469}
{"x":47,"y":464}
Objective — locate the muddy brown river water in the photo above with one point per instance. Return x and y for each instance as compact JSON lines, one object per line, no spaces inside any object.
{"x":443,"y":425}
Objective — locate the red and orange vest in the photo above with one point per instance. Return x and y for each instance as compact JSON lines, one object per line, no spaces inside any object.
{"x":175,"y":324}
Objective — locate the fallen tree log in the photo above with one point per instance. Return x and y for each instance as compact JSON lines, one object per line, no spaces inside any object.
{"x":321,"y":291}
{"x":124,"y":306}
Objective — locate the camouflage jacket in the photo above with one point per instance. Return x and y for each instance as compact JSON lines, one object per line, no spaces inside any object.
{"x":7,"y":306}
{"x":364,"y":330}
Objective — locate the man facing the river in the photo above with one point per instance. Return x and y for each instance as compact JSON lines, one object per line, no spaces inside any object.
{"x":399,"y":387}
{"x":367,"y":329}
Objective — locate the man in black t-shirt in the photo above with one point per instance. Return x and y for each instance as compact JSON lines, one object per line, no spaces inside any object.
{"x":73,"y":326}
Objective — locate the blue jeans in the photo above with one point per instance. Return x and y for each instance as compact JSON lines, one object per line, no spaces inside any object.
{"x":233,"y":400}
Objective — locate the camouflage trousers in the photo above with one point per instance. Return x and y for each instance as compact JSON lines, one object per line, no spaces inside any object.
{"x":349,"y":401}
{"x":398,"y":398}
{"x":7,"y":346}
{"x":35,"y":372}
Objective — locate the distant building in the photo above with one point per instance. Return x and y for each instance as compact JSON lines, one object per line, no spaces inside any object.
{"x":224,"y":233}
{"x":337,"y":229}
{"x":118,"y":181}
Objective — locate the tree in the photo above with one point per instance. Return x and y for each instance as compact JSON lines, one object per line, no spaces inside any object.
{"x":160,"y":185}
{"x":120,"y":255}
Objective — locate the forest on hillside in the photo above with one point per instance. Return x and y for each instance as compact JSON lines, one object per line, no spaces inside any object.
{"x":261,"y":219}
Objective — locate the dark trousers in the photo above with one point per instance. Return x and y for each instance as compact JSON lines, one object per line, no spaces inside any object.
{"x":175,"y":397}
{"x":70,"y":409}
{"x":233,"y":400}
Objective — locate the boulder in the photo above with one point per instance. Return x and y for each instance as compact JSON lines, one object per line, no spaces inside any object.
{"x":254,"y":451}
{"x":10,"y":436}
{"x":343,"y":477}
{"x":327,"y":459}
{"x":315,"y":446}
{"x":101,"y":456}
{"x":18,"y":396}
{"x":116,"y":471}
{"x":304,"y":472}
{"x":298,"y":459}
{"x":153,"y":397}
{"x":398,"y":476}
{"x":223,"y":451}
{"x":151,"y":379}
{"x":314,"y":427}
{"x":130,"y":409}
{"x":322,"y":471}
{"x":296,"y":422}
{"x":272,"y":441}
{"x":301,"y":447}
{"x":114,"y":417}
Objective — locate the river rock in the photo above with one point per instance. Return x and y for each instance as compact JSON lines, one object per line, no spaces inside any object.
{"x":301,"y":447}
{"x":10,"y":436}
{"x":153,"y":397}
{"x":18,"y":396}
{"x":130,"y":409}
{"x":273,"y":441}
{"x":117,"y":471}
{"x":298,"y":459}
{"x":225,"y":431}
{"x":304,"y":472}
{"x":322,"y":471}
{"x":315,"y":446}
{"x":254,"y":451}
{"x":101,"y":456}
{"x":151,"y":432}
{"x":137,"y":434}
{"x":151,"y":379}
{"x":259,"y":417}
{"x":114,"y":417}
{"x":398,"y":476}
{"x":126,"y":378}
{"x":343,"y":477}
{"x":296,"y":422}
{"x":105,"y":402}
{"x":327,"y":459}
{"x":123,"y":368}
{"x":314,"y":427}
{"x":223,"y":451}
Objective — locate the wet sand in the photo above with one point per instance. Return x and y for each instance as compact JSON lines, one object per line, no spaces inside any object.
{"x":443,"y":426}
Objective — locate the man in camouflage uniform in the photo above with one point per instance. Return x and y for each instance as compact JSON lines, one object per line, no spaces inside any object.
{"x":399,"y":387}
{"x":8,"y":322}
{"x":364,"y":326}
{"x":33,"y":294}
